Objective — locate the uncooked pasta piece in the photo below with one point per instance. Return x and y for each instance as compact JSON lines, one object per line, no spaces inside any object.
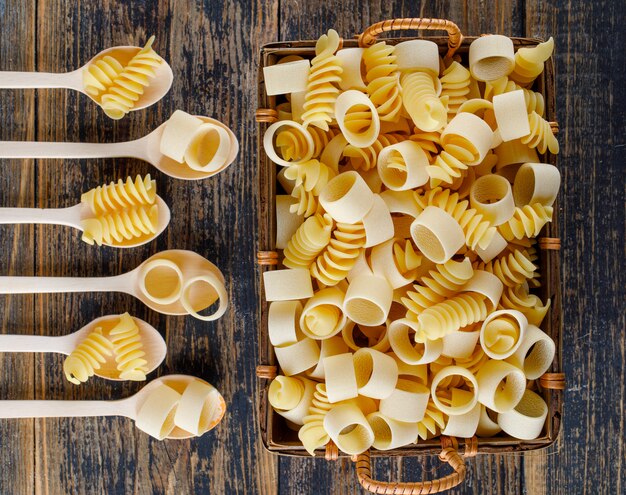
{"x":418,"y":55}
{"x":161,"y":281}
{"x":348,"y":428}
{"x":357,"y":118}
{"x":341,"y":381}
{"x":511,"y":156}
{"x":534,"y":100}
{"x":419,"y":97}
{"x":347,"y":198}
{"x":287,"y":285}
{"x":312,"y":176}
{"x":121,"y":228}
{"x":441,"y":283}
{"x":485,"y":284}
{"x":492,"y":197}
{"x":291,"y":397}
{"x":500,"y":385}
{"x":367,"y":158}
{"x":322,"y":316}
{"x":513,"y":268}
{"x":397,"y":261}
{"x":511,"y":115}
{"x":287,"y":222}
{"x":117,"y":87}
{"x":460,"y":344}
{"x":361,"y":267}
{"x":403,"y":166}
{"x":467,"y":396}
{"x":455,"y":85}
{"x":437,"y":234}
{"x":527,"y":221}
{"x":462,"y":425}
{"x":391,"y":434}
{"x":351,"y":77}
{"x":333,"y":152}
{"x":491,"y":57}
{"x":156,"y":415}
{"x":536,"y":183}
{"x":541,"y":135}
{"x":341,"y":254}
{"x":476,"y":230}
{"x":376,"y":373}
{"x":368,"y":300}
{"x":308,"y":242}
{"x":487,"y":427}
{"x":412,"y":351}
{"x":329,"y":347}
{"x":203,"y":291}
{"x":286,"y":77}
{"x":382,"y":77}
{"x":128,"y":349}
{"x":294,"y":146}
{"x":298,"y":357}
{"x":529,"y":62}
{"x":116,"y":197}
{"x":87,"y":357}
{"x":531,"y":305}
{"x":313,"y":434}
{"x":199,"y":409}
{"x":270,"y":147}
{"x":401,"y":202}
{"x":407,"y":402}
{"x":377,"y":223}
{"x":283,"y":322}
{"x":527,"y":419}
{"x":324,"y":75}
{"x":434,"y":421}
{"x":535,"y":353}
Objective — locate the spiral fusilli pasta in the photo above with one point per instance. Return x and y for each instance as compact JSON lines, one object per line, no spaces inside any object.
{"x":455,"y":85}
{"x":88,"y":357}
{"x":309,"y":241}
{"x":334,"y":264}
{"x":366,"y":158}
{"x":116,"y":228}
{"x":118,"y":95}
{"x":527,"y":221}
{"x":529,"y":62}
{"x":294,"y":147}
{"x":128,"y":349}
{"x":324,"y":76}
{"x":420,"y":100}
{"x":512,"y":268}
{"x":433,"y":423}
{"x":530,"y":305}
{"x":115,"y":196}
{"x":541,"y":136}
{"x":312,"y":434}
{"x":382,"y":77}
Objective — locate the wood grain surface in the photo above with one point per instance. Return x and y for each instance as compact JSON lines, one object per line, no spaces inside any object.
{"x":213,"y":49}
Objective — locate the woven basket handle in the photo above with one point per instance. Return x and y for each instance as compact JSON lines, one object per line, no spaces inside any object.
{"x":449,"y":455}
{"x":368,"y":37}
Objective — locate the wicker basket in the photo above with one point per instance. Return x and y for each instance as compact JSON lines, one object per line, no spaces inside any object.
{"x":279,"y":439}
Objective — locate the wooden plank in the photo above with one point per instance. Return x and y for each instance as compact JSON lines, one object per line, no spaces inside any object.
{"x":298,"y":20}
{"x":212,"y":49}
{"x":591,"y":98}
{"x":17,"y":188}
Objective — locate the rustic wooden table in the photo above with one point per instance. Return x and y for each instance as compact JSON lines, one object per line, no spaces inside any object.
{"x":213,"y":48}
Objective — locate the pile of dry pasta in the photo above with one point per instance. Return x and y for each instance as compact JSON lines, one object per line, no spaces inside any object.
{"x":414,"y":193}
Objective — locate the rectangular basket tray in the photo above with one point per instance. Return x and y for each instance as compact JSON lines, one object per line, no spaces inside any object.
{"x":276,"y":436}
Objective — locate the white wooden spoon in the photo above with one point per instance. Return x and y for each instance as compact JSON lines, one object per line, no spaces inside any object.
{"x":146,"y":148}
{"x":152,"y":342}
{"x":158,"y":282}
{"x":129,"y":407}
{"x":158,"y":88}
{"x":73,"y":216}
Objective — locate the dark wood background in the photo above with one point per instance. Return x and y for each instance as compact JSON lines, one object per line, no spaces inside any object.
{"x":213,"y":49}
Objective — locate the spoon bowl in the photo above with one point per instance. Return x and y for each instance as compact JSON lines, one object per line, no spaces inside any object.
{"x":155,"y":91}
{"x":180,"y":383}
{"x":152,"y":342}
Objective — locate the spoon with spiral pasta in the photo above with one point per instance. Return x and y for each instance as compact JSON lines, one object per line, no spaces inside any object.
{"x":115,"y":347}
{"x":121,"y":79}
{"x":172,"y":282}
{"x":184,"y":147}
{"x":172,"y":406}
{"x":123,"y":214}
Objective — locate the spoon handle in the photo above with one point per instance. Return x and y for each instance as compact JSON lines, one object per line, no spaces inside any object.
{"x":34,"y":343}
{"x":46,"y":285}
{"x":35,"y":149}
{"x":60,"y":408}
{"x":50,"y":216}
{"x":71,"y":80}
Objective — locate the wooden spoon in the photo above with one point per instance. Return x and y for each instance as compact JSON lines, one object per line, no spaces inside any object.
{"x":128,"y":407}
{"x":158,"y":88}
{"x":73,"y":216}
{"x":157,"y":283}
{"x":146,"y":148}
{"x":152,"y":342}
